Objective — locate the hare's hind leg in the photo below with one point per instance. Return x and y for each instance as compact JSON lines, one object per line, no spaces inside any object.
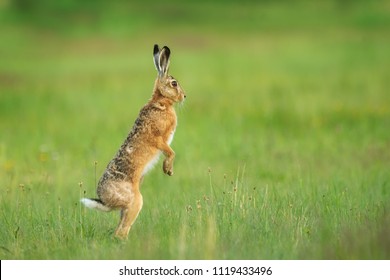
{"x":129,"y":215}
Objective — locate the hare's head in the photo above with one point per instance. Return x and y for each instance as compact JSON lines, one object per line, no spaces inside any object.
{"x":167,"y":85}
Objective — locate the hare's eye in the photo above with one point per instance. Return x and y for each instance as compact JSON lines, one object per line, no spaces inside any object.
{"x":174,"y":83}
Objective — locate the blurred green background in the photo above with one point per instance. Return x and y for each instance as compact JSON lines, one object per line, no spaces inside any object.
{"x":287,"y":101}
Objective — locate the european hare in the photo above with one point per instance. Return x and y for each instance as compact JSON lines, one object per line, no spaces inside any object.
{"x":151,"y":135}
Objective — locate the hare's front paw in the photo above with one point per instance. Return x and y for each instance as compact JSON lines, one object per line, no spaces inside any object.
{"x":168,"y":167}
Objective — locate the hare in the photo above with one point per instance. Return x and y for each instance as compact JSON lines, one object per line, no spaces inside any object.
{"x":151,"y":135}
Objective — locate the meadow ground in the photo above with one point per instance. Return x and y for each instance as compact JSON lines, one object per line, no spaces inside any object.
{"x":283,"y":143}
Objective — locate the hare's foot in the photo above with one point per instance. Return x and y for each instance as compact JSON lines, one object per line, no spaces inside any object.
{"x":121,"y":234}
{"x":168,"y":166}
{"x":128,"y":216}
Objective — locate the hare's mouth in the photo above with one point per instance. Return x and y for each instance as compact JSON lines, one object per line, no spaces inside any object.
{"x":182,"y":97}
{"x":182,"y":101}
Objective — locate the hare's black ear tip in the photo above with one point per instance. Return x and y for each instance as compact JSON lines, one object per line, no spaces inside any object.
{"x":167,"y":50}
{"x":156,"y":49}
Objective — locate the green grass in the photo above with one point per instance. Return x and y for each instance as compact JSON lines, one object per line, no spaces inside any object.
{"x":283,"y":144}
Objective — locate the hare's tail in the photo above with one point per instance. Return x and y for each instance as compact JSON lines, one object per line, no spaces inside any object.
{"x":95,"y":204}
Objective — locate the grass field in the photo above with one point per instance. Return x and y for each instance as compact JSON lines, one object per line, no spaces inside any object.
{"x":283,"y":143}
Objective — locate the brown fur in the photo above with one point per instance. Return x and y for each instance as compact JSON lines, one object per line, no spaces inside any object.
{"x":118,"y":188}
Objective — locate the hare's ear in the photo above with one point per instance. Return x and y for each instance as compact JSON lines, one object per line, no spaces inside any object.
{"x":156,"y":56}
{"x":164,"y":61}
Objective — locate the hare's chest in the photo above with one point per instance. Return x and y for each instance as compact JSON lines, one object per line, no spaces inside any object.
{"x":171,"y":128}
{"x":170,"y":136}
